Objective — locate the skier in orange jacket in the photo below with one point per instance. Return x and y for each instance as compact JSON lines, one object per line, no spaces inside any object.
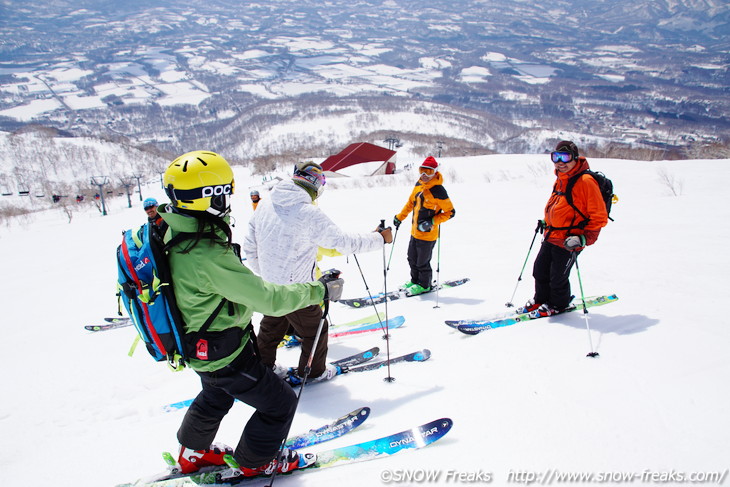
{"x":431,"y":206}
{"x":567,"y":231}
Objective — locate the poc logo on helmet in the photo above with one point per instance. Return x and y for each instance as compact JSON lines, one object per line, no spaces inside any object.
{"x":221,"y":189}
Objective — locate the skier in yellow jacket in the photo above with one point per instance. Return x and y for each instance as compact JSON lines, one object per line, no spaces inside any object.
{"x":431,"y":206}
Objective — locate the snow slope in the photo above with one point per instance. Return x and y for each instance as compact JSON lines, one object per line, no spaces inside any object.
{"x":525,"y":400}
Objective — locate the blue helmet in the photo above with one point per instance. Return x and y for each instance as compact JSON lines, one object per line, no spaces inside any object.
{"x":149,"y":203}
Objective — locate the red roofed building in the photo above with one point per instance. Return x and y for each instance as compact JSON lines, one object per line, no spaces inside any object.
{"x":359,"y":153}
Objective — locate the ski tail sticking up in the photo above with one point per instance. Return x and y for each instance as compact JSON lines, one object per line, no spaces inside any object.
{"x":108,"y":326}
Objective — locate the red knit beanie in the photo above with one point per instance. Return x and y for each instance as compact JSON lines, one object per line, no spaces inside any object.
{"x":430,"y":162}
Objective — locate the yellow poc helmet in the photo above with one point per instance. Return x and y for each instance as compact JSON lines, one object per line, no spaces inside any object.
{"x":200,"y":181}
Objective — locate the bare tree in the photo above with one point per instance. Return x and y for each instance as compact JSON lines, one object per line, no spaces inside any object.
{"x":670,"y":181}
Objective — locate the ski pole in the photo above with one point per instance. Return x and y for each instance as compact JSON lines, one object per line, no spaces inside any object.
{"x":438,"y":268}
{"x":538,"y":228}
{"x":392,"y":246}
{"x":593,"y":353}
{"x":307,"y":370}
{"x":367,"y":288}
{"x":389,"y":378}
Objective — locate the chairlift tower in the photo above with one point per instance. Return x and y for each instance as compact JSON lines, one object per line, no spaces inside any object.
{"x":393,"y":142}
{"x":439,"y":146}
{"x":127,"y":183}
{"x":100,"y":182}
{"x":139,"y":186}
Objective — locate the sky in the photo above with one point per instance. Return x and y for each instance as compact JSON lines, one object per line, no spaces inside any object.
{"x":526,"y":402}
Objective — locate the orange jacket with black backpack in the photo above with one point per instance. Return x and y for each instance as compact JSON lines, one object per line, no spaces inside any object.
{"x":576,"y":206}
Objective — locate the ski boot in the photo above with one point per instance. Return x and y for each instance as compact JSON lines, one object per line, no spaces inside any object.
{"x":190,"y":461}
{"x":289,"y":461}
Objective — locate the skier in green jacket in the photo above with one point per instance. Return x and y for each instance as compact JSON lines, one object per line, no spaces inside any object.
{"x":217,"y":296}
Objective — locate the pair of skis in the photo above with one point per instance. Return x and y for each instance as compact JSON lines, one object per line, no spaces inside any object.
{"x":409,"y":439}
{"x":359,"y":362}
{"x":366,"y":325}
{"x":400,"y":293}
{"x":112,"y":323}
{"x":474,"y":327}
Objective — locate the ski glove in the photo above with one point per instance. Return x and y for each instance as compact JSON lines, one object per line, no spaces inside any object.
{"x":333,"y":284}
{"x":425,"y":225}
{"x":540,"y":226}
{"x":396,"y":222}
{"x":574,"y":242}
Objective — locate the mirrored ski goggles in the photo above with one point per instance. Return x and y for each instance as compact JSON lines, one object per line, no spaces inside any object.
{"x":561,"y":157}
{"x":428,"y":171}
{"x":313,"y":175}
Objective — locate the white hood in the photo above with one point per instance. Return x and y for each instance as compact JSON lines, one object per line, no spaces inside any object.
{"x":285,"y":231}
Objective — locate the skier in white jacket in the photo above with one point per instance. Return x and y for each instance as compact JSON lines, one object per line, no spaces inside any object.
{"x":284,"y":235}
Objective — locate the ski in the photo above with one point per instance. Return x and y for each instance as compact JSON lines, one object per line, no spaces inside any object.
{"x":108,"y":326}
{"x":393,"y":295}
{"x":346,"y":362}
{"x":330,"y":431}
{"x":335,"y":429}
{"x":392,"y":323}
{"x":358,"y":358}
{"x":361,"y":321}
{"x":419,"y":356}
{"x":291,"y":341}
{"x":410,"y":439}
{"x":474,"y":327}
{"x":116,"y":319}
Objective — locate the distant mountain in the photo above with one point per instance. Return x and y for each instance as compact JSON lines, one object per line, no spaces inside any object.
{"x":252,"y":79}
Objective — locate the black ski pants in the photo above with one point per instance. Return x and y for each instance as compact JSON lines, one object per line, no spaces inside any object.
{"x":552,"y":275}
{"x":419,"y":258}
{"x":249,"y":381}
{"x":305,"y":323}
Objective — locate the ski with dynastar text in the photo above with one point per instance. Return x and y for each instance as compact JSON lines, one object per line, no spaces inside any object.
{"x":474,"y":327}
{"x":409,"y":439}
{"x":400,"y":293}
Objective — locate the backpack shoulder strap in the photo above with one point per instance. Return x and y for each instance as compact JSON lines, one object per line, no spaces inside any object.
{"x":569,"y":194}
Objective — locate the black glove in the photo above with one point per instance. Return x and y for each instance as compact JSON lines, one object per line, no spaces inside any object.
{"x":540,"y":226}
{"x":396,"y":222}
{"x":425,"y":225}
{"x":574,"y":242}
{"x":333,"y":284}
